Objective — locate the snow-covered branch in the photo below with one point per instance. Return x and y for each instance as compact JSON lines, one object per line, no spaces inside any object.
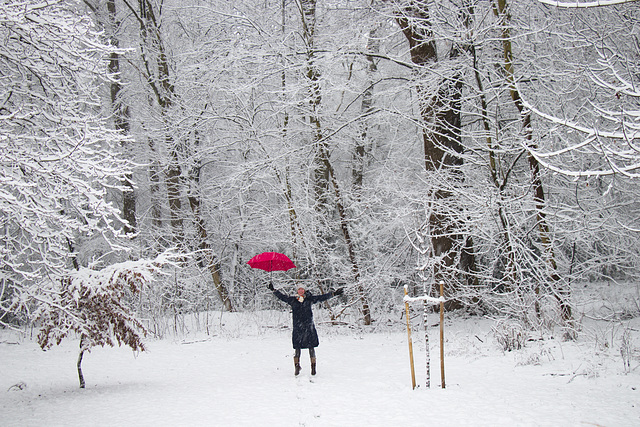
{"x":619,"y":158}
{"x":59,"y":153}
{"x":584,"y":4}
{"x":590,"y":132}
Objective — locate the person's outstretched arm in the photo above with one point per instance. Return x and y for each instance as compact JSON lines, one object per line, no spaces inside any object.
{"x":280,"y":295}
{"x":324,"y":297}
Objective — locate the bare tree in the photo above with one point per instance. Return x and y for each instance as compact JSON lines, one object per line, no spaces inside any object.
{"x":156,"y":68}
{"x":325,"y":174}
{"x":439,"y":90}
{"x":121,"y":117}
{"x":501,"y":10}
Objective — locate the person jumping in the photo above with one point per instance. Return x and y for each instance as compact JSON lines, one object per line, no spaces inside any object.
{"x":304,"y":331}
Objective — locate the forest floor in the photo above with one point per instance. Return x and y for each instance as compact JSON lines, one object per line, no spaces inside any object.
{"x":242,"y":375}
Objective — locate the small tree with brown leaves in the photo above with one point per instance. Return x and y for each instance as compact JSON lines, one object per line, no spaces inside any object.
{"x":96,"y":305}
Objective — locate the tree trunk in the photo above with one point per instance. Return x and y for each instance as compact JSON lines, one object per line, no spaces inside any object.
{"x":440,"y":113}
{"x":323,"y":171}
{"x":360,"y":149}
{"x":121,"y":116}
{"x":156,"y":69}
{"x":159,"y":80}
{"x":366,"y":312}
{"x":154,"y":190}
{"x":501,"y":10}
{"x":173,"y":182}
{"x":206,"y":254}
{"x":79,"y":364}
{"x":321,"y":174}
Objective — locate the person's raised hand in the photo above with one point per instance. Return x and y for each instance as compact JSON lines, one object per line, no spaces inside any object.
{"x":270,"y":286}
{"x":339,"y":291}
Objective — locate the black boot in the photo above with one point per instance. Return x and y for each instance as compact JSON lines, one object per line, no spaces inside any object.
{"x":313,"y":366}
{"x":296,"y":363}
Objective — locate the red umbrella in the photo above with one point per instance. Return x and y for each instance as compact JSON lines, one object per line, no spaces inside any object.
{"x":271,"y":261}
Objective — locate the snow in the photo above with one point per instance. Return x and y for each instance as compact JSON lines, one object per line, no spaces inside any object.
{"x":243,"y":375}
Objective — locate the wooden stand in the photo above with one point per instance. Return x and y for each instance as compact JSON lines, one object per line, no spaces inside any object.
{"x":413,"y":372}
{"x":426,"y":299}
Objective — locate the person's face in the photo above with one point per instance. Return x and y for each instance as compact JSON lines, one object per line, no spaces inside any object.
{"x":301,"y":292}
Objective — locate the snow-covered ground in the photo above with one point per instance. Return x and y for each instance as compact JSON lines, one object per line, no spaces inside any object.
{"x":243,"y":375}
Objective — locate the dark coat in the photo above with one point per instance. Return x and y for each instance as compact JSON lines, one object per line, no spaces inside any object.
{"x":304,"y":331}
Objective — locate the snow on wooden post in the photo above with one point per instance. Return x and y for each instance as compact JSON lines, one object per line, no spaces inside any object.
{"x":428,"y":299}
{"x":406,"y":308}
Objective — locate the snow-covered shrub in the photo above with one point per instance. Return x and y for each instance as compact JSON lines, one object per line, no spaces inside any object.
{"x":625,"y":350}
{"x":510,"y":334}
{"x":529,"y":359}
{"x":97,"y":305}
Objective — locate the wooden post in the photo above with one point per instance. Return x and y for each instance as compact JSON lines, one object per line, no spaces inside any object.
{"x":441,"y":333}
{"x":413,"y":372}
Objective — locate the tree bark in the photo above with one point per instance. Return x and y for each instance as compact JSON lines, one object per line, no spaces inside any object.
{"x":344,"y":226}
{"x":156,"y":69}
{"x":360,"y":149}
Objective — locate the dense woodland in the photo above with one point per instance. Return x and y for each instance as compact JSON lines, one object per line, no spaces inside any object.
{"x":492,"y":145}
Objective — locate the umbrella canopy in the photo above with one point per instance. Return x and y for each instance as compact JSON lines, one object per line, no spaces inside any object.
{"x":271,"y":261}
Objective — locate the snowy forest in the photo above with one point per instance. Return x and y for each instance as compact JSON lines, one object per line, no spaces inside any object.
{"x":150,"y":148}
{"x":491,"y":145}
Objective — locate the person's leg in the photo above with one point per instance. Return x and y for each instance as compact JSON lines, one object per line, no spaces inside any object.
{"x":296,"y":361}
{"x":312,"y":356}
